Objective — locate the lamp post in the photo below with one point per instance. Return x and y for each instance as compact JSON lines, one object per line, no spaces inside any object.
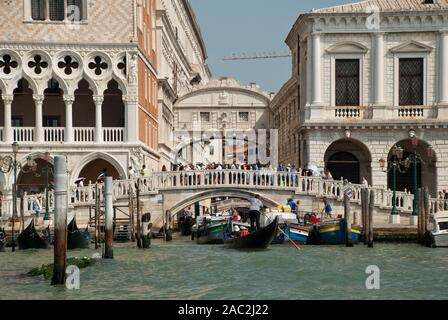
{"x":394,"y":166}
{"x":8,"y":163}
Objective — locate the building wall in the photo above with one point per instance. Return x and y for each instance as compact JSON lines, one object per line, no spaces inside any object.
{"x":108,"y":21}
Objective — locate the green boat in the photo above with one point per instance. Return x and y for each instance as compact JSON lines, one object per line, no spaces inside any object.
{"x":211,"y":232}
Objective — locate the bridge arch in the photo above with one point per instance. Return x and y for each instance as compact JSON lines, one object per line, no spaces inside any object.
{"x":213,"y":193}
{"x":108,"y":160}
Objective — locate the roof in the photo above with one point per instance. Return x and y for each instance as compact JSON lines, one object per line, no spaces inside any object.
{"x":386,"y":6}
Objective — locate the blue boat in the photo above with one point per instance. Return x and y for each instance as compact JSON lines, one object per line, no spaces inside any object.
{"x":292,"y":232}
{"x":334,"y":233}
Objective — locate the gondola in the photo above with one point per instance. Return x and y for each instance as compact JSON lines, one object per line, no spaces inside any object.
{"x":259,"y":239}
{"x":210,"y":233}
{"x":2,"y":240}
{"x":75,"y":238}
{"x":31,"y":239}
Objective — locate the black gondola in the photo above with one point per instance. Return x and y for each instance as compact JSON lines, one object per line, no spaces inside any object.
{"x":75,"y":238}
{"x":2,"y":240}
{"x":259,"y":239}
{"x":31,"y":239}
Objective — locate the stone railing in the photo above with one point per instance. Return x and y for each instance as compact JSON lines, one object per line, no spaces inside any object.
{"x":348,"y":113}
{"x":23,"y":134}
{"x":84,"y":134}
{"x":113,"y":134}
{"x":54,"y":134}
{"x":260,"y":181}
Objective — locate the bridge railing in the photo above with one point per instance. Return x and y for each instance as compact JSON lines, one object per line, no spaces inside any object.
{"x":240,"y":179}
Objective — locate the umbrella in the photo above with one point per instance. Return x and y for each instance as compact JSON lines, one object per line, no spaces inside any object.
{"x":313,"y":168}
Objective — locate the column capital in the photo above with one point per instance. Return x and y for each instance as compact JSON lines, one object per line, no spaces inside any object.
{"x":98,"y":99}
{"x":7,"y":98}
{"x":130,"y":99}
{"x":69,"y":98}
{"x":38,"y":98}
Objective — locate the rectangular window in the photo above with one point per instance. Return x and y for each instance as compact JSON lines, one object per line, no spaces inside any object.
{"x":52,"y":121}
{"x":16,"y":121}
{"x":38,"y":8}
{"x":56,"y":10}
{"x":243,"y":116}
{"x":347,"y":82}
{"x":411,"y":82}
{"x":205,"y":116}
{"x":212,"y":150}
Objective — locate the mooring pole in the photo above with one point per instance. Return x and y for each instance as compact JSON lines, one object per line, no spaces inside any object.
{"x":371,"y":209}
{"x":420,"y":216}
{"x":131,"y":214}
{"x":108,"y":212}
{"x":348,"y":221}
{"x":146,"y":230}
{"x":364,"y":214}
{"x":139,"y":238}
{"x":97,"y":209}
{"x":60,"y":221}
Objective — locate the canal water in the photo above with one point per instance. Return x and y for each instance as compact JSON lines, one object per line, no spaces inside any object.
{"x":184,"y":270}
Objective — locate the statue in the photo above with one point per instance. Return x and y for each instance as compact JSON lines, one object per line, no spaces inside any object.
{"x":137,"y":159}
{"x":133,"y":70}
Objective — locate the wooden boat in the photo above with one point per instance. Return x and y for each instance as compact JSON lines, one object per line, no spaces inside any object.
{"x":333,"y":232}
{"x":438,"y":237}
{"x":2,"y":240}
{"x":31,"y":239}
{"x":259,"y":239}
{"x":211,"y":232}
{"x":75,"y":238}
{"x":186,"y":226}
{"x":294,"y":233}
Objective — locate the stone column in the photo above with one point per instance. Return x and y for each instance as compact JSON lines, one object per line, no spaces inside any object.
{"x":309,"y":65}
{"x":443,"y":56}
{"x":39,"y":130}
{"x":7,"y":128}
{"x":98,"y":118}
{"x":317,"y":77}
{"x":69,"y":99}
{"x":131,"y":118}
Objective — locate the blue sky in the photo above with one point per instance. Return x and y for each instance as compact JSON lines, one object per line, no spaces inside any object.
{"x":247,"y":26}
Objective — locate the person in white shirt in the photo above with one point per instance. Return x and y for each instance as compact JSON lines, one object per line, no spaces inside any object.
{"x":364,"y":182}
{"x":254,"y":212}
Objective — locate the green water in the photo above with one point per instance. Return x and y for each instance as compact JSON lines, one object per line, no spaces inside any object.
{"x":184,"y":270}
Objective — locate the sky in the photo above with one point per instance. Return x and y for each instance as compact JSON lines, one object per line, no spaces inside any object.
{"x":248,"y":26}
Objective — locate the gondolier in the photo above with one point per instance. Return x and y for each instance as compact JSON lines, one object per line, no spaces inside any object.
{"x":254,"y":212}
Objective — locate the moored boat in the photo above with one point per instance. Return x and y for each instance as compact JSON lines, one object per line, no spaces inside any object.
{"x":259,"y":239}
{"x":291,"y":233}
{"x":2,"y":240}
{"x":75,"y":238}
{"x":210,"y":231}
{"x":334,"y":232}
{"x":31,"y":239}
{"x":439,"y":235}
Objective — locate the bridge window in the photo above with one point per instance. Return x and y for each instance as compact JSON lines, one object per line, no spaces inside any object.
{"x":347,"y":82}
{"x":244,"y":116}
{"x":205,"y":116}
{"x":411,"y":82}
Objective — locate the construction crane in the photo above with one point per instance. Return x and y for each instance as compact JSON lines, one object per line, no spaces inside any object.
{"x":253,"y":56}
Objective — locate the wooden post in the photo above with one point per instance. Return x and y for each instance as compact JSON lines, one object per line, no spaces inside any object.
{"x":97,"y":209}
{"x":108,"y":219}
{"x":348,"y":222}
{"x":420,"y":215}
{"x":426,"y":207}
{"x":60,"y":220}
{"x":131,"y":214}
{"x":364,"y":214}
{"x":371,"y":211}
{"x":146,"y":230}
{"x":22,"y":213}
{"x":139,"y":239}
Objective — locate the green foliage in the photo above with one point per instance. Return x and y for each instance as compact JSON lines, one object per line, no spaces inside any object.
{"x":47,"y":269}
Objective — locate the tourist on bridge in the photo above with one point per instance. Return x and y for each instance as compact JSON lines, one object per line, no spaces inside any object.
{"x":293,"y":206}
{"x":364,"y":182}
{"x":102,"y":176}
{"x":254,"y":212}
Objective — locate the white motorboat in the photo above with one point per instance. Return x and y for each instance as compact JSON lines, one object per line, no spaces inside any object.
{"x":439,"y":234}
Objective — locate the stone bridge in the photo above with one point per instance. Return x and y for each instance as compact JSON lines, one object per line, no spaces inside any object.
{"x":170,"y":192}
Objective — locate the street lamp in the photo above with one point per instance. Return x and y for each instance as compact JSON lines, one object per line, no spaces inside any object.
{"x":394,"y":166}
{"x":8,"y":163}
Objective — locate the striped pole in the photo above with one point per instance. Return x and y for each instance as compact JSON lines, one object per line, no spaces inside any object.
{"x":108,"y":251}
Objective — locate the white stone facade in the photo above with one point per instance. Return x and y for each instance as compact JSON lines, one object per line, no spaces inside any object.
{"x":378,"y":34}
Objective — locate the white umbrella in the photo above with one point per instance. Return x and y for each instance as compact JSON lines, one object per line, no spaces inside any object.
{"x":79,"y":180}
{"x":313,"y":168}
